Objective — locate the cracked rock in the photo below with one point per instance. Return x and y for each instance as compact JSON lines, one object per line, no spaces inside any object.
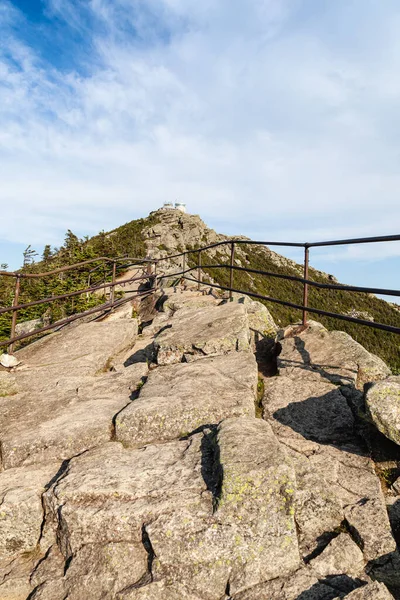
{"x":178,"y":399}
{"x":204,"y":332}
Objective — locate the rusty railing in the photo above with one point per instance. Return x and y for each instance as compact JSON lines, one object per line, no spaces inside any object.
{"x":90,"y":289}
{"x":155,"y":276}
{"x":304,"y":307}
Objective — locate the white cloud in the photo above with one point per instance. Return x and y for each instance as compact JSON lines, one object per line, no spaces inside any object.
{"x":266,"y":115}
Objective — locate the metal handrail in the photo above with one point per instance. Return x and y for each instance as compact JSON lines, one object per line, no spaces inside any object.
{"x":304,"y":280}
{"x":110,"y":305}
{"x":155,"y":277}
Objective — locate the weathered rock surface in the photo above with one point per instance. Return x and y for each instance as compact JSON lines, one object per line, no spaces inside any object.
{"x":58,"y":423}
{"x":372,"y":591}
{"x":285,"y":508}
{"x":333,"y":355}
{"x":87,"y":348}
{"x":341,"y":555}
{"x":302,"y":585}
{"x":179,"y":399}
{"x":66,"y":379}
{"x":8,"y":384}
{"x":261,"y":322}
{"x":21,"y":518}
{"x":312,"y":417}
{"x":383,"y":404}
{"x":196,"y":333}
{"x":161,"y":503}
{"x":312,"y":407}
{"x":28,"y":326}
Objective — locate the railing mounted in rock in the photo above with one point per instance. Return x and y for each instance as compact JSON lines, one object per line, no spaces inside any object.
{"x":153,"y":275}
{"x":112,"y":303}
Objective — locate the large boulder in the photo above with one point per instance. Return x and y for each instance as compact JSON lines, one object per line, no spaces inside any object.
{"x":28,"y":326}
{"x":335,"y":482}
{"x":313,"y":407}
{"x":333,"y":355}
{"x":341,"y":555}
{"x":261,"y":322}
{"x":383,"y":405}
{"x":87,"y":349}
{"x":21,"y":518}
{"x":179,"y":399}
{"x":195,"y":333}
{"x":58,"y":422}
{"x":205,"y":514}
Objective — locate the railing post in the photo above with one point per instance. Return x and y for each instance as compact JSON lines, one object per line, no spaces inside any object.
{"x":231,"y":270}
{"x":114,"y":278}
{"x":14,"y":315}
{"x":305,"y":290}
{"x":183,"y":266}
{"x":199,"y":271}
{"x":155,"y":275}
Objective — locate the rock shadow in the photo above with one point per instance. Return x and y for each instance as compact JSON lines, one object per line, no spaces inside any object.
{"x":211,"y":468}
{"x":143,"y":355}
{"x":386,"y":569}
{"x":266,"y":352}
{"x":332,"y":587}
{"x":325,"y":419}
{"x":321,"y":369}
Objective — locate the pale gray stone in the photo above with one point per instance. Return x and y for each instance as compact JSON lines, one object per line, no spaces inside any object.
{"x":195,"y":333}
{"x":312,"y":407}
{"x":59,"y":423}
{"x":340,"y":556}
{"x":21,"y":512}
{"x":302,"y":585}
{"x":179,"y":399}
{"x":28,"y":326}
{"x":8,"y":384}
{"x":9,"y":360}
{"x":261,"y":322}
{"x":372,"y":591}
{"x":87,"y":349}
{"x":370,"y":522}
{"x":201,"y":539}
{"x":159,"y":590}
{"x":333,"y":355}
{"x":383,"y":405}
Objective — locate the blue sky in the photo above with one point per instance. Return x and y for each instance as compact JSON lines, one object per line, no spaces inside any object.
{"x":276,"y":119}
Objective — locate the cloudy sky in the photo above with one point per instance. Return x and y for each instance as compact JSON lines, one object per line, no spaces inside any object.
{"x":277,"y":119}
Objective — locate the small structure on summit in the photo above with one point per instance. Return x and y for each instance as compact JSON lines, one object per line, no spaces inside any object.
{"x":178,"y":206}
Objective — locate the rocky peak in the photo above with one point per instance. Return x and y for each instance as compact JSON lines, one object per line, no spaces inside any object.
{"x":195,"y":458}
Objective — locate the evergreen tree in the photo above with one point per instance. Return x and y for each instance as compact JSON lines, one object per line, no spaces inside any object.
{"x":29,"y":255}
{"x":47,"y":254}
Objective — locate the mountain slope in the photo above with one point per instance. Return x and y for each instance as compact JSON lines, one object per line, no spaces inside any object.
{"x":166,"y":232}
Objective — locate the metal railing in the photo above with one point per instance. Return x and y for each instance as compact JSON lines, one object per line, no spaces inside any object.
{"x":305,"y":281}
{"x":145,"y":264}
{"x":155,"y":277}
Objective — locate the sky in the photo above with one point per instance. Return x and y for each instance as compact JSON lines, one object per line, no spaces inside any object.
{"x":275,"y":119}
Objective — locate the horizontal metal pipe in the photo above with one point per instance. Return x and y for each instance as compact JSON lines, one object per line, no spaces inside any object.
{"x":385,"y":238}
{"x":327,"y":286}
{"x":367,"y":240}
{"x":317,"y":311}
{"x":70,"y":294}
{"x":229,"y":242}
{"x":71,"y":267}
{"x":100,"y":308}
